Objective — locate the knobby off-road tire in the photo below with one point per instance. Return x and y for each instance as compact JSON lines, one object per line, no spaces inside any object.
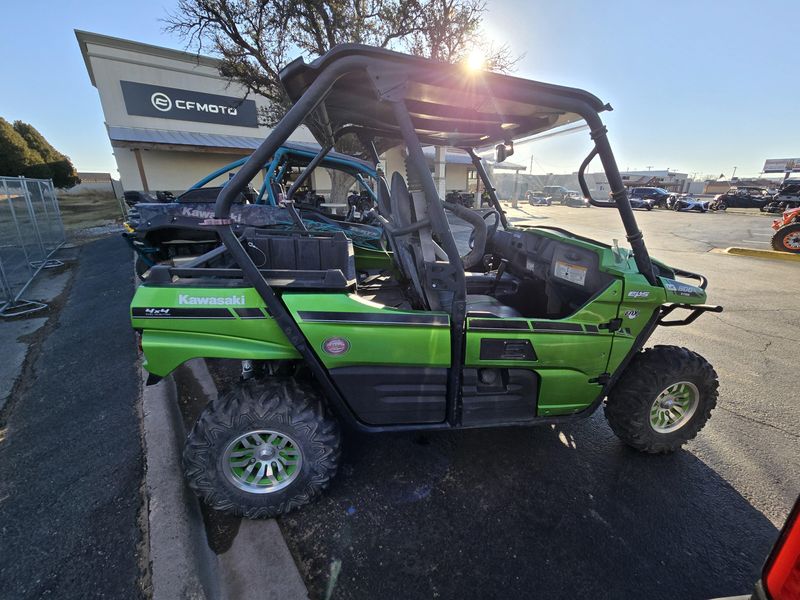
{"x":278,"y":423}
{"x":787,"y":239}
{"x":659,"y":384}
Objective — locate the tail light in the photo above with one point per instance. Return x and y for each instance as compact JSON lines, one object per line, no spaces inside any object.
{"x":781,"y":576}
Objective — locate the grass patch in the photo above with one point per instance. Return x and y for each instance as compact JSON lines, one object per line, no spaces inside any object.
{"x":89,"y":210}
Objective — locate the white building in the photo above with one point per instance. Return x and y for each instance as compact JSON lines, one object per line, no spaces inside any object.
{"x":172,"y":119}
{"x":669,"y":180}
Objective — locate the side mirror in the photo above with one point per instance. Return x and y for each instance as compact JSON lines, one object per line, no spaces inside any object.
{"x":503,"y":151}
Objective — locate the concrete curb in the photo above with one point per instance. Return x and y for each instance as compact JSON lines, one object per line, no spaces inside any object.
{"x":762,"y":254}
{"x":258,"y":563}
{"x":181,"y":563}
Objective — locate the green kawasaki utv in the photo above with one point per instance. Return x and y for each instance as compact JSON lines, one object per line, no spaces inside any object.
{"x":531,"y":325}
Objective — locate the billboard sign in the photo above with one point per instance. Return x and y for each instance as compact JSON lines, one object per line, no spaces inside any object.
{"x":147,"y":100}
{"x":782,"y":165}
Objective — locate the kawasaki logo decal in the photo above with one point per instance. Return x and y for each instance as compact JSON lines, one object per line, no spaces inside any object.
{"x":211,"y":301}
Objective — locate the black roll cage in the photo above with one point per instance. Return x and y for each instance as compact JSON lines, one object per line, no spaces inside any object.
{"x":391,"y":89}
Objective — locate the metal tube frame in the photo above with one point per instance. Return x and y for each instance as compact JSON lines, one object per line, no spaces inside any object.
{"x":291,"y":121}
{"x":312,"y":97}
{"x":305,"y":173}
{"x":480,"y":169}
{"x":620,"y":195}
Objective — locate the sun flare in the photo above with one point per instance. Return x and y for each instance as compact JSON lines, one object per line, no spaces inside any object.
{"x":476,"y":60}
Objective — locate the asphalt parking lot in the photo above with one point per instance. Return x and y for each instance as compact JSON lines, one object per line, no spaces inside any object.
{"x":666,"y":229}
{"x":569,"y":512}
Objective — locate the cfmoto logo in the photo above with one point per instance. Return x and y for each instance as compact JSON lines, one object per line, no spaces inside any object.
{"x":161,"y":101}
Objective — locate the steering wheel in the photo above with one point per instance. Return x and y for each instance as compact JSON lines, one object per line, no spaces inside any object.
{"x":480,"y":231}
{"x":492,"y":229}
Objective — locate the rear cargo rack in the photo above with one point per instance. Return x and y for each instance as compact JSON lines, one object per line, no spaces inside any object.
{"x":286,"y":259}
{"x":277,"y":278}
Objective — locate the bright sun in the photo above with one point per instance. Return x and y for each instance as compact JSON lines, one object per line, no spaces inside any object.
{"x":476,"y":60}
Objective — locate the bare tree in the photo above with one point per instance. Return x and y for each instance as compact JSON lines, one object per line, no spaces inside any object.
{"x":451,"y":30}
{"x":256,"y":38}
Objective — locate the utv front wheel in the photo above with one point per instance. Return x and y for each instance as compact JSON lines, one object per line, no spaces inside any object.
{"x":787,"y":239}
{"x":262,"y":450}
{"x":663,"y":399}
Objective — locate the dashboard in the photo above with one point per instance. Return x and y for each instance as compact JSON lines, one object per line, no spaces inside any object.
{"x":568,"y":271}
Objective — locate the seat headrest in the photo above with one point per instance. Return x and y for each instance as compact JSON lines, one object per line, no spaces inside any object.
{"x":384,"y":204}
{"x":400,"y":201}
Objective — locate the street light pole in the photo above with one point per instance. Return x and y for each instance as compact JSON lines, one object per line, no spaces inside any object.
{"x":734,"y":173}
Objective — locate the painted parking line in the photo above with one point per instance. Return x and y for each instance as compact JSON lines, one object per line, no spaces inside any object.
{"x":754,"y":242}
{"x":761,"y":234}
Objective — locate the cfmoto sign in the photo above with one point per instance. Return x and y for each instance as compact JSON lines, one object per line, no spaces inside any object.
{"x":186,"y":105}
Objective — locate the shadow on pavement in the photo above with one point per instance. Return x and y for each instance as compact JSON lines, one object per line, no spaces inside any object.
{"x":550,"y":512}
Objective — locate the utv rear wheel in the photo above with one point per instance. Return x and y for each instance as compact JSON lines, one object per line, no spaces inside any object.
{"x":663,"y":399}
{"x":787,"y":239}
{"x":263,"y":449}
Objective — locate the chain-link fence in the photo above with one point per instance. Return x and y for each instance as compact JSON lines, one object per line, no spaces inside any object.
{"x":30,"y":232}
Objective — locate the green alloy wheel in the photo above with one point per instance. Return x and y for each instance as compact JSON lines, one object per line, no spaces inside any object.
{"x":262,"y":461}
{"x":674,"y":407}
{"x":263,"y":449}
{"x":663,"y":399}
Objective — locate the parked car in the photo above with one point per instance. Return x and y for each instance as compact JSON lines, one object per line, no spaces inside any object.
{"x":538,"y":199}
{"x":645,"y":203}
{"x":789,"y":190}
{"x":656,"y":194}
{"x":743,"y":197}
{"x":687,"y":202}
{"x":576,"y":200}
{"x":787,"y":197}
{"x":556,"y":193}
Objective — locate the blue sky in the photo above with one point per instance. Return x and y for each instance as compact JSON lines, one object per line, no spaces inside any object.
{"x":698,"y":87}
